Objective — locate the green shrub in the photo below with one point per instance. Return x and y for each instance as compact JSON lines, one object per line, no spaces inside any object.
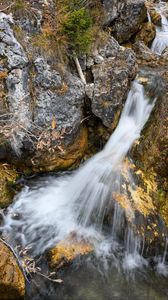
{"x":78,"y":29}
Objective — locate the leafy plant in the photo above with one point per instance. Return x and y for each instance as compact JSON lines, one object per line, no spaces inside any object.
{"x":78,"y":30}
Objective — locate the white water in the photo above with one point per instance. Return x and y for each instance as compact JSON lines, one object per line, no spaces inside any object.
{"x":161,"y":40}
{"x":79,"y":202}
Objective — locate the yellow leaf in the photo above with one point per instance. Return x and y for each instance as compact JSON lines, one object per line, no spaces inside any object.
{"x":53,"y":123}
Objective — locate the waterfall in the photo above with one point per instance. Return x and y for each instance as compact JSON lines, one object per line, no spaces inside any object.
{"x":161,"y":40}
{"x":78,"y":202}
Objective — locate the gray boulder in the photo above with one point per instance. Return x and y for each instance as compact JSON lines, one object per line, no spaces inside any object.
{"x":129,"y":21}
{"x":112,"y":81}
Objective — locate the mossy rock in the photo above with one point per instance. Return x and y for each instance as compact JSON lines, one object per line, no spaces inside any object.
{"x":8,"y":176}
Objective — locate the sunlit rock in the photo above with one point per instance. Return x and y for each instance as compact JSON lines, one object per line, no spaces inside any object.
{"x":12,"y":282}
{"x":68,"y":250}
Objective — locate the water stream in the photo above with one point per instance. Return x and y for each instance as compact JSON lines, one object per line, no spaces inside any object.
{"x":52,"y":209}
{"x":78,"y":202}
{"x":55,"y":207}
{"x":161,"y":40}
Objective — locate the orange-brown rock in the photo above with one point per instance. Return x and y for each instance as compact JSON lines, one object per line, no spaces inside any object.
{"x":67,"y":251}
{"x":62,"y":157}
{"x":12,"y":283}
{"x":137,"y":199}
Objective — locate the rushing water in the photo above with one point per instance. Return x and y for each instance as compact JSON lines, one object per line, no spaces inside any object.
{"x":79,"y":202}
{"x":161,"y":40}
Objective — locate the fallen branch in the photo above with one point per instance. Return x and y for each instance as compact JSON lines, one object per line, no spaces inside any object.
{"x":79,"y":69}
{"x":47,"y":277}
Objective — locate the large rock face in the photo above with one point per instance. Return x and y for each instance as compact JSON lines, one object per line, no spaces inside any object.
{"x":12,"y":283}
{"x":129,"y":20}
{"x":42,"y":100}
{"x":42,"y":106}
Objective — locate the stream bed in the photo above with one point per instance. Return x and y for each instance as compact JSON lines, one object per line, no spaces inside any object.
{"x":88,"y":282}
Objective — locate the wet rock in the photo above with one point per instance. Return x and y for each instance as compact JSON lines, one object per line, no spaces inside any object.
{"x":8,"y":176}
{"x":129,"y":21}
{"x":144,"y":54}
{"x":12,"y":283}
{"x":151,"y":153}
{"x":141,"y":215}
{"x":165,"y":53}
{"x":145,"y":57}
{"x":112,"y":81}
{"x":67,"y":251}
{"x":146,"y":34}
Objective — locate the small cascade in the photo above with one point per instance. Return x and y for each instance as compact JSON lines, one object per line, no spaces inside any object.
{"x":161,"y":40}
{"x":81,"y":202}
{"x":162,"y":267}
{"x":133,"y":257}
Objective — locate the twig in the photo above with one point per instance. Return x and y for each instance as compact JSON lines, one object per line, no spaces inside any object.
{"x":53,"y":280}
{"x":84,"y":119}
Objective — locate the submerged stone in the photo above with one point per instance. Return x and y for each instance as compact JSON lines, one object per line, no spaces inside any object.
{"x":68,"y":250}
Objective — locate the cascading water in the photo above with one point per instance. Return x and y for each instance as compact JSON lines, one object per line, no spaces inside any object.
{"x":79,"y":202}
{"x":161,"y":40}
